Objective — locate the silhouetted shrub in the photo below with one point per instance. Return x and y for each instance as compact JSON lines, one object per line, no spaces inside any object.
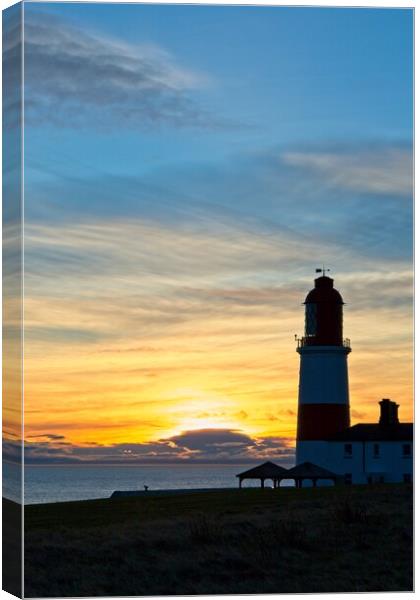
{"x":350,"y":512}
{"x":291,"y":533}
{"x":205,"y":530}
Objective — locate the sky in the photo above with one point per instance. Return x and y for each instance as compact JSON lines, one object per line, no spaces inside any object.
{"x":187,"y":169}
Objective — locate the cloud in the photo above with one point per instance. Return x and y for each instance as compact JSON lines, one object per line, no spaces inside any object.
{"x":165,"y":276}
{"x":12,"y":84}
{"x":62,"y":334}
{"x":357,"y":414}
{"x":383,"y":289}
{"x":212,"y":440}
{"x":383,"y":170}
{"x":222,"y":446}
{"x":260,"y":191}
{"x":75,"y":78}
{"x":48,"y":436}
{"x":242,"y":414}
{"x":106,"y":278}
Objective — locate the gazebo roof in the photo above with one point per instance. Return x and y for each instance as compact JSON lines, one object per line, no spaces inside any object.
{"x":267,"y":470}
{"x":308,"y":470}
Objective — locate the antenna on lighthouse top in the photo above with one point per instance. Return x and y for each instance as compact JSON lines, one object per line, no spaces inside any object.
{"x":323,"y":270}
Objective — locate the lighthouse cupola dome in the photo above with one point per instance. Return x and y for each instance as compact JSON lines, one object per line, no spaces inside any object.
{"x":324,"y":291}
{"x":324,"y":314}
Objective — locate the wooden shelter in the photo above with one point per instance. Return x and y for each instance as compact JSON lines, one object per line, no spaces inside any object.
{"x":267,"y":470}
{"x":308,"y":470}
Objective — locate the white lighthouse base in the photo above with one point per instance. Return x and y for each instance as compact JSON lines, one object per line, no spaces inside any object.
{"x":319,"y":453}
{"x":315,"y":452}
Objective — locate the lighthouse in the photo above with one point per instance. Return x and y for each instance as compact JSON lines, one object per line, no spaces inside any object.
{"x":327,"y":447}
{"x":323,"y":407}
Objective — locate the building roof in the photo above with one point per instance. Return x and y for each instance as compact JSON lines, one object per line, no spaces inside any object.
{"x":375,"y":432}
{"x":267,"y":470}
{"x":308,"y":470}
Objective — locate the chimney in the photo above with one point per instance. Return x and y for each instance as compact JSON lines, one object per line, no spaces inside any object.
{"x":389,"y":412}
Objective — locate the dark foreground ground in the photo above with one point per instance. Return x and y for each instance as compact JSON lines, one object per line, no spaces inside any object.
{"x":345,"y":539}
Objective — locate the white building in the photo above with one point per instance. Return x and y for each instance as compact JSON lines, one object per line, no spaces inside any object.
{"x":363,"y":453}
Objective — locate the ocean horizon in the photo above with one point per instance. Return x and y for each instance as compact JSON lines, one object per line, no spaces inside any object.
{"x":62,"y":483}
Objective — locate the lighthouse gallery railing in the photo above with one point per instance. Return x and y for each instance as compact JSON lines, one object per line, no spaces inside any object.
{"x":306,"y":341}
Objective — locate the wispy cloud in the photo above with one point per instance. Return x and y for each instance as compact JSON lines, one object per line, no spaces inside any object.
{"x":76,"y":78}
{"x":100,"y":283}
{"x":47,"y":436}
{"x":12,"y":84}
{"x":260,"y":190}
{"x":380,"y":170}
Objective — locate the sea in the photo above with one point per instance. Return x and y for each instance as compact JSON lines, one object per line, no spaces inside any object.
{"x":63,"y":483}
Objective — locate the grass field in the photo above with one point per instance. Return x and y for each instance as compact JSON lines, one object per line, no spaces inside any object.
{"x":240,"y":541}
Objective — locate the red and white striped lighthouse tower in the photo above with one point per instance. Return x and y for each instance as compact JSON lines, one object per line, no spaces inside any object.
{"x":323,"y":378}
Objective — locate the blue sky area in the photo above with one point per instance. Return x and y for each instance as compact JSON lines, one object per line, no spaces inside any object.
{"x":261,"y":77}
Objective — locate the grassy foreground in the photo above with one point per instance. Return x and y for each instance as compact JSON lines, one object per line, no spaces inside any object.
{"x":345,"y":539}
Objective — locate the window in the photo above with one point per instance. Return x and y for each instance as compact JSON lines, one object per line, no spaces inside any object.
{"x":407,"y":478}
{"x":348,"y":479}
{"x":406,"y":449}
{"x":348,"y":450}
{"x":310,"y":320}
{"x":375,"y":450}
